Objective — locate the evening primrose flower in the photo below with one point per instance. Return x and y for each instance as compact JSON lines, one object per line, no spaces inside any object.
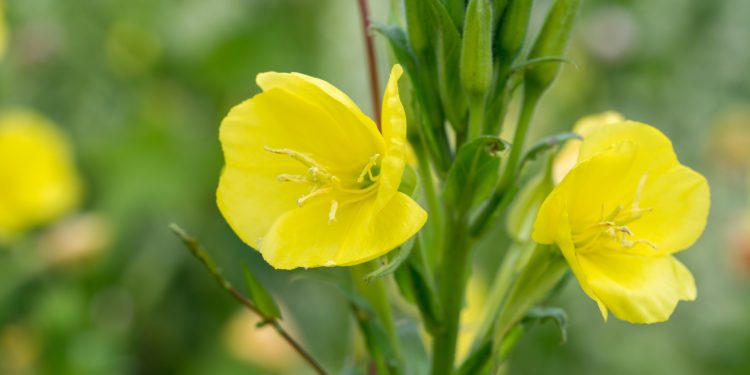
{"x":620,"y":214}
{"x":309,"y":181}
{"x":38,"y":179}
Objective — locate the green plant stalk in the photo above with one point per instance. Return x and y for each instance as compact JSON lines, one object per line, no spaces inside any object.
{"x":476,"y":116}
{"x":540,"y":275}
{"x":453,"y":275}
{"x":208,"y":263}
{"x":376,"y":294}
{"x":504,"y":185}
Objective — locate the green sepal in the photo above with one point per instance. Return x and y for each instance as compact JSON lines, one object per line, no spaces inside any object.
{"x":409,"y":181}
{"x":476,"y":49}
{"x":475,"y":170}
{"x":394,"y":263}
{"x":544,"y":314}
{"x":260,"y":296}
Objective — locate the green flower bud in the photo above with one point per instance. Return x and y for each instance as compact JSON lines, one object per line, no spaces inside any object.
{"x":476,"y":50}
{"x":551,"y":42}
{"x":456,"y":10}
{"x":511,"y":32}
{"x":415,"y":11}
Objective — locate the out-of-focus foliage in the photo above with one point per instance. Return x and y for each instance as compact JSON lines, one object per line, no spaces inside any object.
{"x":140,"y":87}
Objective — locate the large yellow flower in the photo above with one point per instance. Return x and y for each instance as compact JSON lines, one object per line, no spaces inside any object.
{"x":38,"y":180}
{"x":309,"y":181}
{"x":620,"y":214}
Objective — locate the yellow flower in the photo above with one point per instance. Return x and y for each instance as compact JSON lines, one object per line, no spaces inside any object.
{"x":38,"y":180}
{"x":309,"y":181}
{"x":618,"y":217}
{"x":568,"y":155}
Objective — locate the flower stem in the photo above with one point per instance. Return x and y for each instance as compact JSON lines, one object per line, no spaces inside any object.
{"x":452,"y":280}
{"x":197,"y":250}
{"x":372,"y":69}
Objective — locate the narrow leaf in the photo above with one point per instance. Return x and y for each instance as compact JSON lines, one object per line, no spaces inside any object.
{"x":260,"y":296}
{"x":544,"y":314}
{"x":545,"y":144}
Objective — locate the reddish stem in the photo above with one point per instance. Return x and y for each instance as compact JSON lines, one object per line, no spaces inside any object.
{"x":371,"y":63}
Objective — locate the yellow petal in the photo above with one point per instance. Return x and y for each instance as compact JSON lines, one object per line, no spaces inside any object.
{"x":394,"y":134}
{"x":593,"y":188}
{"x":637,"y":289}
{"x":249,"y":194}
{"x":565,"y":243}
{"x":566,"y":159}
{"x":304,"y":237}
{"x":347,"y":121}
{"x":679,"y":201}
{"x":38,"y":179}
{"x":657,"y":151}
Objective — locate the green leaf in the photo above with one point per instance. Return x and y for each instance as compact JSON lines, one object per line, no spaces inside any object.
{"x":260,"y":296}
{"x":545,"y":144}
{"x":408,"y":181}
{"x":475,"y":170}
{"x":397,"y":40}
{"x":478,"y":360}
{"x":393,"y":264}
{"x":544,"y":314}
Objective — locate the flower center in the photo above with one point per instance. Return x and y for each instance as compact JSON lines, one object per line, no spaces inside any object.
{"x":614,"y":225}
{"x":325,"y":184}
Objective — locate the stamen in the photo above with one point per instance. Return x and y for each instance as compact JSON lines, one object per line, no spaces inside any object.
{"x":332,"y":212}
{"x":367,"y":170}
{"x":314,"y":193}
{"x":302,"y":158}
{"x":284,"y":177}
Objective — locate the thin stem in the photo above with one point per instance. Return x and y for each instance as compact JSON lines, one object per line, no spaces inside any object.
{"x":476,"y":116}
{"x":371,"y":61}
{"x":197,"y":250}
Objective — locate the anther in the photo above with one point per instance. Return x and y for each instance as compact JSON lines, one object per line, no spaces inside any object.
{"x":312,"y":194}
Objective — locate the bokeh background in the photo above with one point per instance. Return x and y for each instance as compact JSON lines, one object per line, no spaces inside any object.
{"x":140,"y":87}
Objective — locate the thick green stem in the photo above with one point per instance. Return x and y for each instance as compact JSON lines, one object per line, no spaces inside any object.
{"x":453,"y":274}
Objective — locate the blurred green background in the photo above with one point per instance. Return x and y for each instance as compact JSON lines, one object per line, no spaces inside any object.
{"x":140,"y":87}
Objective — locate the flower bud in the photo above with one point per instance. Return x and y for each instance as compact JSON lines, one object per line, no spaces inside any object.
{"x":551,"y":42}
{"x":511,"y":31}
{"x":476,"y":50}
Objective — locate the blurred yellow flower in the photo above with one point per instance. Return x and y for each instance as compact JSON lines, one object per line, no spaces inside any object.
{"x":38,"y":180}
{"x":309,"y":181}
{"x":568,"y":155}
{"x":618,"y":217}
